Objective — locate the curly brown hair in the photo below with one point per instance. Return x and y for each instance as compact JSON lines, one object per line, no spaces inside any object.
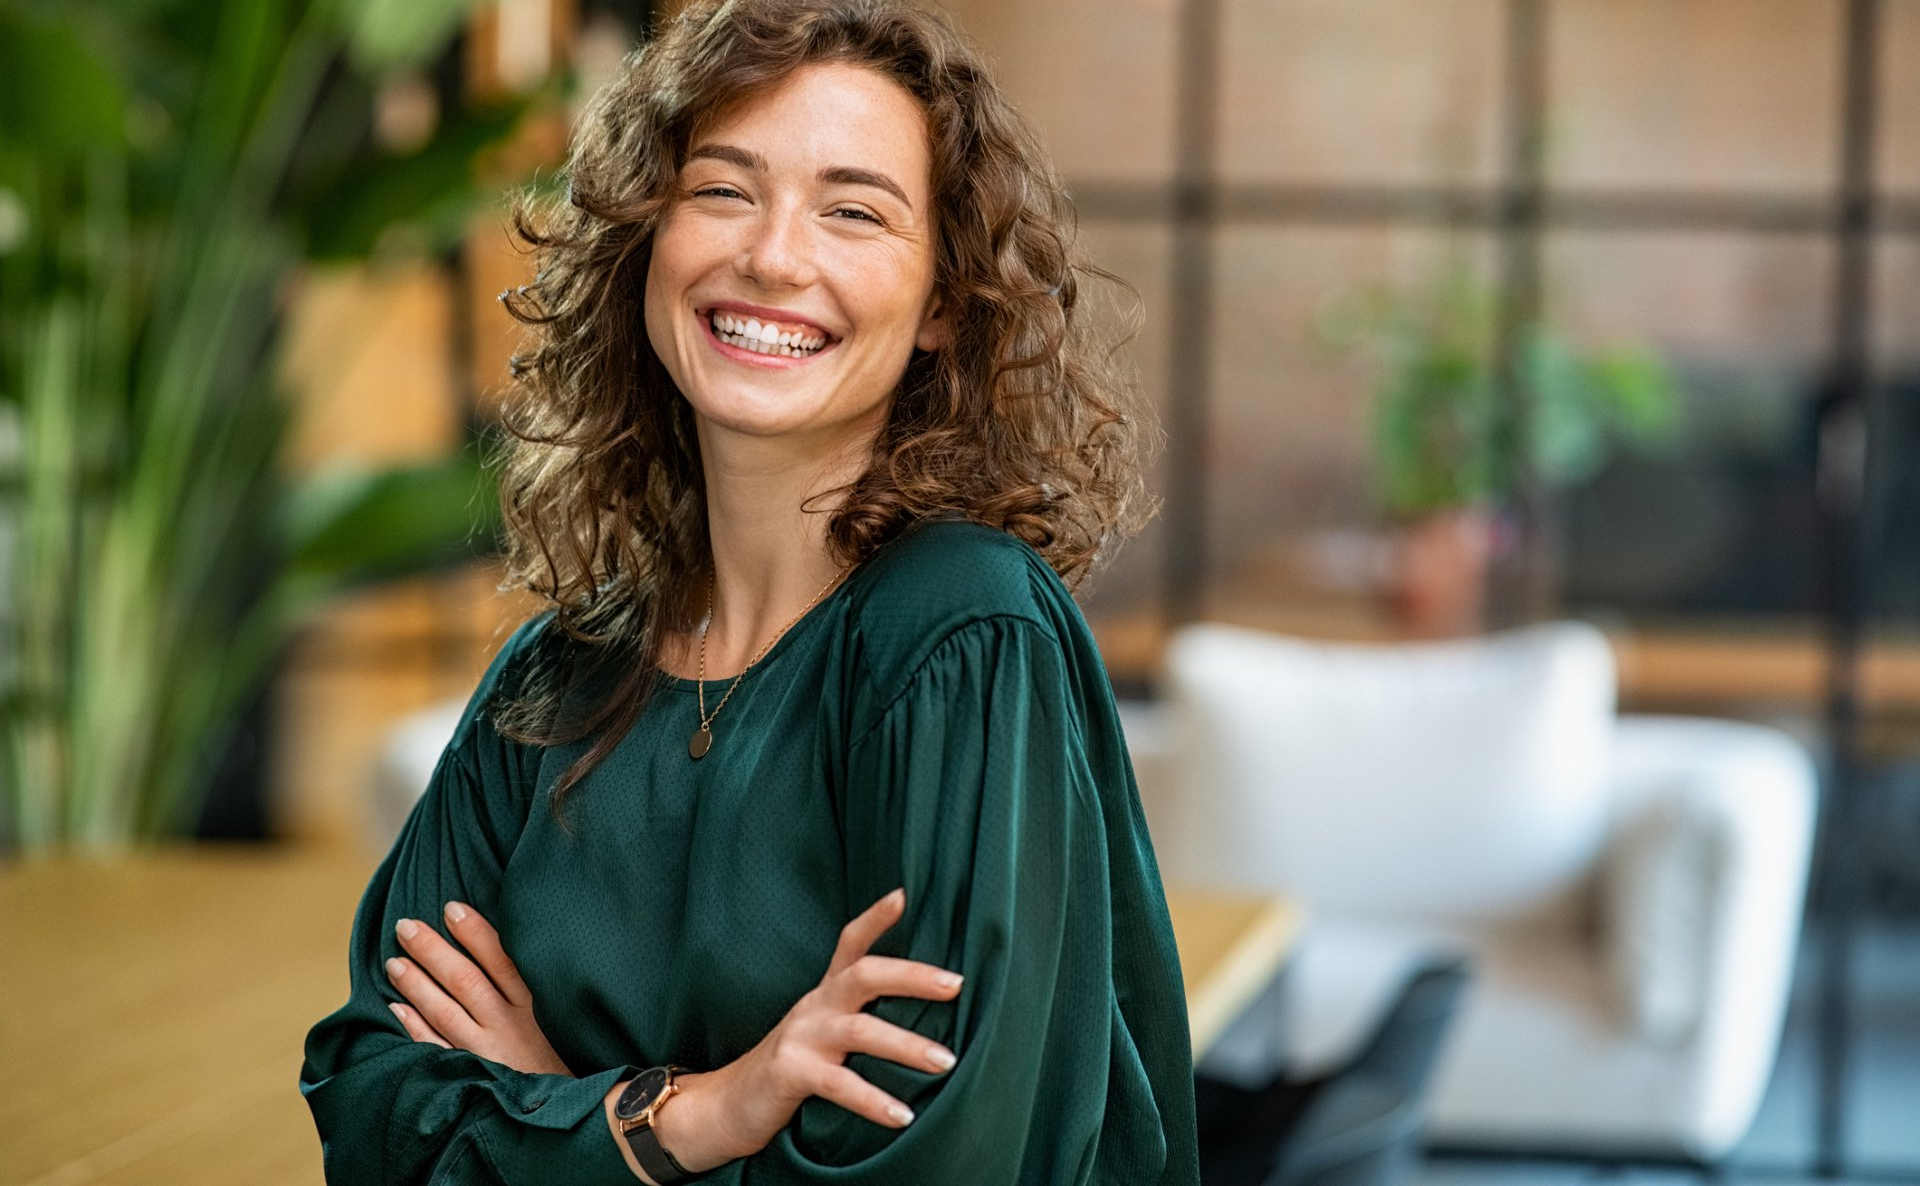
{"x":1021,"y":422}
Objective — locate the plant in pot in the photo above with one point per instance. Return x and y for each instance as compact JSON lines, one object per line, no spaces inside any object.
{"x":167,"y":172}
{"x":1450,"y":454}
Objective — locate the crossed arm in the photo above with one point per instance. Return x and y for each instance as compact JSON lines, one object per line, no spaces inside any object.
{"x":478,"y":1002}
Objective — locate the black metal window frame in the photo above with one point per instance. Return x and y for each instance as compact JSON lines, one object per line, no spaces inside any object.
{"x":1518,"y":210}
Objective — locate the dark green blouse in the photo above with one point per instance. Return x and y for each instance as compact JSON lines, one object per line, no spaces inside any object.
{"x":941,"y":721}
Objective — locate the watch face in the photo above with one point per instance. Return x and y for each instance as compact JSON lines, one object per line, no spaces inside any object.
{"x":640,"y":1093}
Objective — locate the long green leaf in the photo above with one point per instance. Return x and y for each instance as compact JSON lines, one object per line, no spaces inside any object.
{"x":152,"y":580}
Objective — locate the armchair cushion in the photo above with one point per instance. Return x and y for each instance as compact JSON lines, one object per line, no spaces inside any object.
{"x":1450,"y":781}
{"x":1657,"y":888}
{"x":1746,"y":797}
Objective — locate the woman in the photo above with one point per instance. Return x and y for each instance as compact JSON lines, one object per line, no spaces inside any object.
{"x":804,"y":812}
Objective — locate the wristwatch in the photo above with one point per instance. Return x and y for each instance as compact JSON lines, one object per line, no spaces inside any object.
{"x":635,"y":1110}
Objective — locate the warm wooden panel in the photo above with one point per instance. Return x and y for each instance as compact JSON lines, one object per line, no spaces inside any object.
{"x":361,"y":666}
{"x":369,"y":354}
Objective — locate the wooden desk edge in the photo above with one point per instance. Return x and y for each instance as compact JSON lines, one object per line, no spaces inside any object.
{"x":1231,"y":985}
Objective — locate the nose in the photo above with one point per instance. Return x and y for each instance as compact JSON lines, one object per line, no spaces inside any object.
{"x":779,"y":254}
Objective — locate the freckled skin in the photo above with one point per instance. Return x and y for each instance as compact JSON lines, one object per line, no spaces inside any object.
{"x":851,"y":258}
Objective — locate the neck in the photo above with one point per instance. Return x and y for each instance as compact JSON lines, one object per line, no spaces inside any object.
{"x":769,"y":555}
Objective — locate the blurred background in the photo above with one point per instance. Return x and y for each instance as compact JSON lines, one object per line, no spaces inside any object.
{"x":1466,"y":320}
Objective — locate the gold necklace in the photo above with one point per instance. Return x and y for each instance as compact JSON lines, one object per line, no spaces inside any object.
{"x":702,"y":739}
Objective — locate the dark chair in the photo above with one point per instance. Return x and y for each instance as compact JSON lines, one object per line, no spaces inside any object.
{"x":1356,"y":1126}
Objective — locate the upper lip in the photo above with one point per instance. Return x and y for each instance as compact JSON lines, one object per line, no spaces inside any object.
{"x":763,"y":313}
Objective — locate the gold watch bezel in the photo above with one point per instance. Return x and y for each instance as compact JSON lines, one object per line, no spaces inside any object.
{"x":644,"y":1118}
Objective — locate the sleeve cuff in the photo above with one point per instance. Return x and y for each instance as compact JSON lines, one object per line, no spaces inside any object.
{"x":562,"y":1134}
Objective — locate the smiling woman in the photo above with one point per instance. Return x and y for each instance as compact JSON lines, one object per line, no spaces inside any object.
{"x":811,"y":413}
{"x":794,"y":193}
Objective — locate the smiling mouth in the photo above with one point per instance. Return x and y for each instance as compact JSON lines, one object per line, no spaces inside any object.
{"x":771,"y":338}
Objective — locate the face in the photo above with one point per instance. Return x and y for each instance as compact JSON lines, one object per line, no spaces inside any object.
{"x":792,"y":276}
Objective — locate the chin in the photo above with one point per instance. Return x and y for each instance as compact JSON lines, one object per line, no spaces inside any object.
{"x":759,"y":412}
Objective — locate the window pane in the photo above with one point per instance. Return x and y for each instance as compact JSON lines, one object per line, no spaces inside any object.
{"x":1095,"y":76}
{"x":1361,"y":91}
{"x":1695,"y":94}
{"x":1725,"y":523}
{"x":1899,"y":159}
{"x":1289,"y":462}
{"x":1896,"y":332}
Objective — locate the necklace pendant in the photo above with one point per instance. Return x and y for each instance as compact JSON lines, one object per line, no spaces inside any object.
{"x":700,"y":743}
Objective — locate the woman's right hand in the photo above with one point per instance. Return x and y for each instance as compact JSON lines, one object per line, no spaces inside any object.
{"x":748,"y":1101}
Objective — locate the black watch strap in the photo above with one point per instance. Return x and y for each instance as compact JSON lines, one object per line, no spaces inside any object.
{"x":655,"y":1159}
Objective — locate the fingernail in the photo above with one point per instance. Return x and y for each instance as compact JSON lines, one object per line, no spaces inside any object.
{"x":902,"y":1115}
{"x":456,"y":912}
{"x":949,"y":979}
{"x":941,"y":1057}
{"x":405,"y":928}
{"x":898,"y":897}
{"x":398,"y":1012}
{"x":394,"y":968}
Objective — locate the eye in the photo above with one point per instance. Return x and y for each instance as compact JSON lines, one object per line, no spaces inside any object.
{"x":719,"y":191}
{"x":856,"y":213}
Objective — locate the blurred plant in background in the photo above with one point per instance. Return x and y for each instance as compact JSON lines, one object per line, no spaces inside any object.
{"x":1450,"y":455}
{"x":1438,"y":438}
{"x":166,"y":168}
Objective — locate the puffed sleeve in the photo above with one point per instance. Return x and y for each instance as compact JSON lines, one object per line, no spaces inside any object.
{"x":391,"y":1110}
{"x":974,"y":790}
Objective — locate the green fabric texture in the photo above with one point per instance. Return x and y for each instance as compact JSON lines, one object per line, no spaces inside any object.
{"x":941,"y":721}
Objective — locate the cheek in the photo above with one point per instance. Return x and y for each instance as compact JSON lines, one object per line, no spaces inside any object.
{"x":666,"y":286}
{"x":652,"y":305}
{"x":891,"y":290}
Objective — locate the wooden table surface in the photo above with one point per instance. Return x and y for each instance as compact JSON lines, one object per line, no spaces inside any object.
{"x":1231,"y":947}
{"x":152,"y":1008}
{"x":152,"y":1012}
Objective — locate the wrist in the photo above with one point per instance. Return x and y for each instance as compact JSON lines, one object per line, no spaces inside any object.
{"x":693,"y":1126}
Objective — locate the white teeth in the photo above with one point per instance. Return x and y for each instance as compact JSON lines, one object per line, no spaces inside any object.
{"x":750,"y":334}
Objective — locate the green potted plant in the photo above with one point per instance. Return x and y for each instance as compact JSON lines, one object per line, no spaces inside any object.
{"x":1450,"y":455}
{"x":167,"y":169}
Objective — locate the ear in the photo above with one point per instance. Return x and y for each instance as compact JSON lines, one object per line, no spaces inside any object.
{"x":935,"y":326}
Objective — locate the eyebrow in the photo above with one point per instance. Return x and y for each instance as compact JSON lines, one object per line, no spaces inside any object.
{"x":833,"y":174}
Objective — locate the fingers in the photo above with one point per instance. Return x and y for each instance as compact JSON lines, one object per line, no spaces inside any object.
{"x":864,"y":1033}
{"x":806,"y":1054}
{"x":862,"y":1098}
{"x":873,"y":976}
{"x":442,"y":1012}
{"x":482,"y":942}
{"x":417,"y":1028}
{"x":857,"y":936}
{"x":459,"y":976}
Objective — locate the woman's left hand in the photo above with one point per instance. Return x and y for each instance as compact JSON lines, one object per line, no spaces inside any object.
{"x":484,"y":1008}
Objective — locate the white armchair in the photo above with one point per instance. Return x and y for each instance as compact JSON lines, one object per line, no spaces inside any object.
{"x":1629,"y":888}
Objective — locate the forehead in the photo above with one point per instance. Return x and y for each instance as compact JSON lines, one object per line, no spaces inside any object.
{"x":830,"y":113}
